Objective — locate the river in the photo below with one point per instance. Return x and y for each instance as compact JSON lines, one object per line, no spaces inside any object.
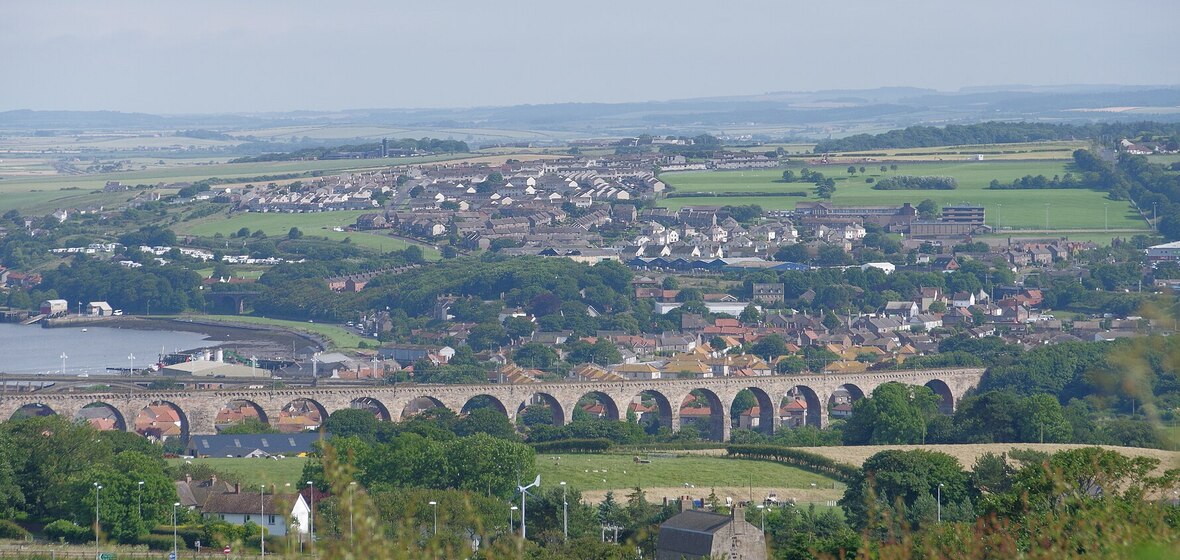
{"x":32,"y":349}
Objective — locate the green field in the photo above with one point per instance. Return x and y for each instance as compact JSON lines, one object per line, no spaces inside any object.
{"x":338,"y":336}
{"x":255,"y":471}
{"x":621,"y":471}
{"x":1019,"y":209}
{"x":318,"y":224}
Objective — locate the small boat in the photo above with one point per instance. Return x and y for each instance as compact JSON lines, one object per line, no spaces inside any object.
{"x":83,"y":330}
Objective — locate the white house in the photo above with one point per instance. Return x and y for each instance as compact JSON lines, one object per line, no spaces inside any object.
{"x":279,"y":514}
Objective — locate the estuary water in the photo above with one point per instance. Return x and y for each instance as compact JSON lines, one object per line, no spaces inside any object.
{"x":34,"y":350}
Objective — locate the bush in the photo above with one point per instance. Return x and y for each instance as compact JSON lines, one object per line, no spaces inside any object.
{"x":160,"y":542}
{"x":597,"y":445}
{"x":807,"y":461}
{"x":68,"y":531}
{"x":10,"y":530}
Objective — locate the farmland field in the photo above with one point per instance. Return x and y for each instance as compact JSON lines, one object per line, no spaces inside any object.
{"x":317,"y":224}
{"x":967,"y":454}
{"x":1019,"y":209}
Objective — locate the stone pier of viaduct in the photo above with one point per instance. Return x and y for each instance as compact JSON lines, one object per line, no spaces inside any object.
{"x":198,"y":409}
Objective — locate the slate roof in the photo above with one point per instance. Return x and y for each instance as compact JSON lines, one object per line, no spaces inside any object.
{"x":689,"y":534}
{"x":237,"y":445}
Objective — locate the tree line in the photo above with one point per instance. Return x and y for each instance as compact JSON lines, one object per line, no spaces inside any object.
{"x":991,"y":133}
{"x":430,"y":145}
{"x":919,"y":183}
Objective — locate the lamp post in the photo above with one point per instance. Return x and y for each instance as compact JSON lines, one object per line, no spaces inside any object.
{"x":63,"y":363}
{"x":351,"y":491}
{"x":139,"y":504}
{"x":762,"y":510}
{"x":565,"y":514}
{"x":174,"y":506}
{"x":311,"y":513}
{"x":940,"y":502}
{"x":511,"y":519}
{"x":97,"y":524}
{"x":131,"y":365}
{"x":435,"y":505}
{"x":262,"y":521}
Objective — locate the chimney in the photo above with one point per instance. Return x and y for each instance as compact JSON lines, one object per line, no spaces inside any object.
{"x":237,"y":488}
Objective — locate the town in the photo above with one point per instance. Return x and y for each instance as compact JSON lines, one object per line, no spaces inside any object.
{"x":516,"y":281}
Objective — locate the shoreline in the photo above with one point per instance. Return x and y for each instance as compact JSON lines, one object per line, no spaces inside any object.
{"x":250,"y":338}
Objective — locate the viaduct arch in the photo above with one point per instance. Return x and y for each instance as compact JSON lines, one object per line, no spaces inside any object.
{"x":199,"y":409}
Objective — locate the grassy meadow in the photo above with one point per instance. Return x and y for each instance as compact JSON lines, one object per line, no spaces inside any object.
{"x":318,"y":224}
{"x":666,"y":470}
{"x":1017,"y":209}
{"x":253,"y":472}
{"x":337,"y":335}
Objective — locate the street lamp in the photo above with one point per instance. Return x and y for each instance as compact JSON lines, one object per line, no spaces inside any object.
{"x":511,"y":519}
{"x":351,"y":491}
{"x":63,"y":363}
{"x":311,"y":513}
{"x":565,"y":513}
{"x":97,"y":524}
{"x":435,"y":505}
{"x":174,"y":506}
{"x":262,"y":520}
{"x":139,"y":505}
{"x":940,"y":502}
{"x":131,"y":368}
{"x":762,"y":510}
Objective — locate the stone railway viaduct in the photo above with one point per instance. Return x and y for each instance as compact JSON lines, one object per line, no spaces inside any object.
{"x":198,"y":410}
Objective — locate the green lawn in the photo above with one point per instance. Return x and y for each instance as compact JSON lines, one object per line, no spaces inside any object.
{"x":1020,"y":209}
{"x":338,"y":336}
{"x":317,"y":224}
{"x":254,"y":472}
{"x":621,"y":471}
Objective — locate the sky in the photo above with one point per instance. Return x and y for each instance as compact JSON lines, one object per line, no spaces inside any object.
{"x":209,"y":56}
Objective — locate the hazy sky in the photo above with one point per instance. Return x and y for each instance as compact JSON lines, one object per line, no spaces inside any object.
{"x":245,"y":55}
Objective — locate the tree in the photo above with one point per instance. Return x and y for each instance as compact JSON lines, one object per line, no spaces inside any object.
{"x":905,"y":476}
{"x":244,"y":232}
{"x":991,"y":473}
{"x":352,"y":422}
{"x":519,"y":328}
{"x":536,"y":355}
{"x":792,"y":253}
{"x":788,"y":176}
{"x":928,"y":209}
{"x":852,"y":170}
{"x":769,"y":347}
{"x":670,"y":283}
{"x":486,"y":335}
{"x":488,"y":421}
{"x":294,"y":233}
{"x":896,"y":414}
{"x":750,"y":315}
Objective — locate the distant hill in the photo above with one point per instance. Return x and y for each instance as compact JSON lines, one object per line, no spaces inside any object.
{"x":815,"y":115}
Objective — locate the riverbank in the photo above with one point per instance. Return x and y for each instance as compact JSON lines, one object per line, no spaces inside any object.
{"x":245,"y":338}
